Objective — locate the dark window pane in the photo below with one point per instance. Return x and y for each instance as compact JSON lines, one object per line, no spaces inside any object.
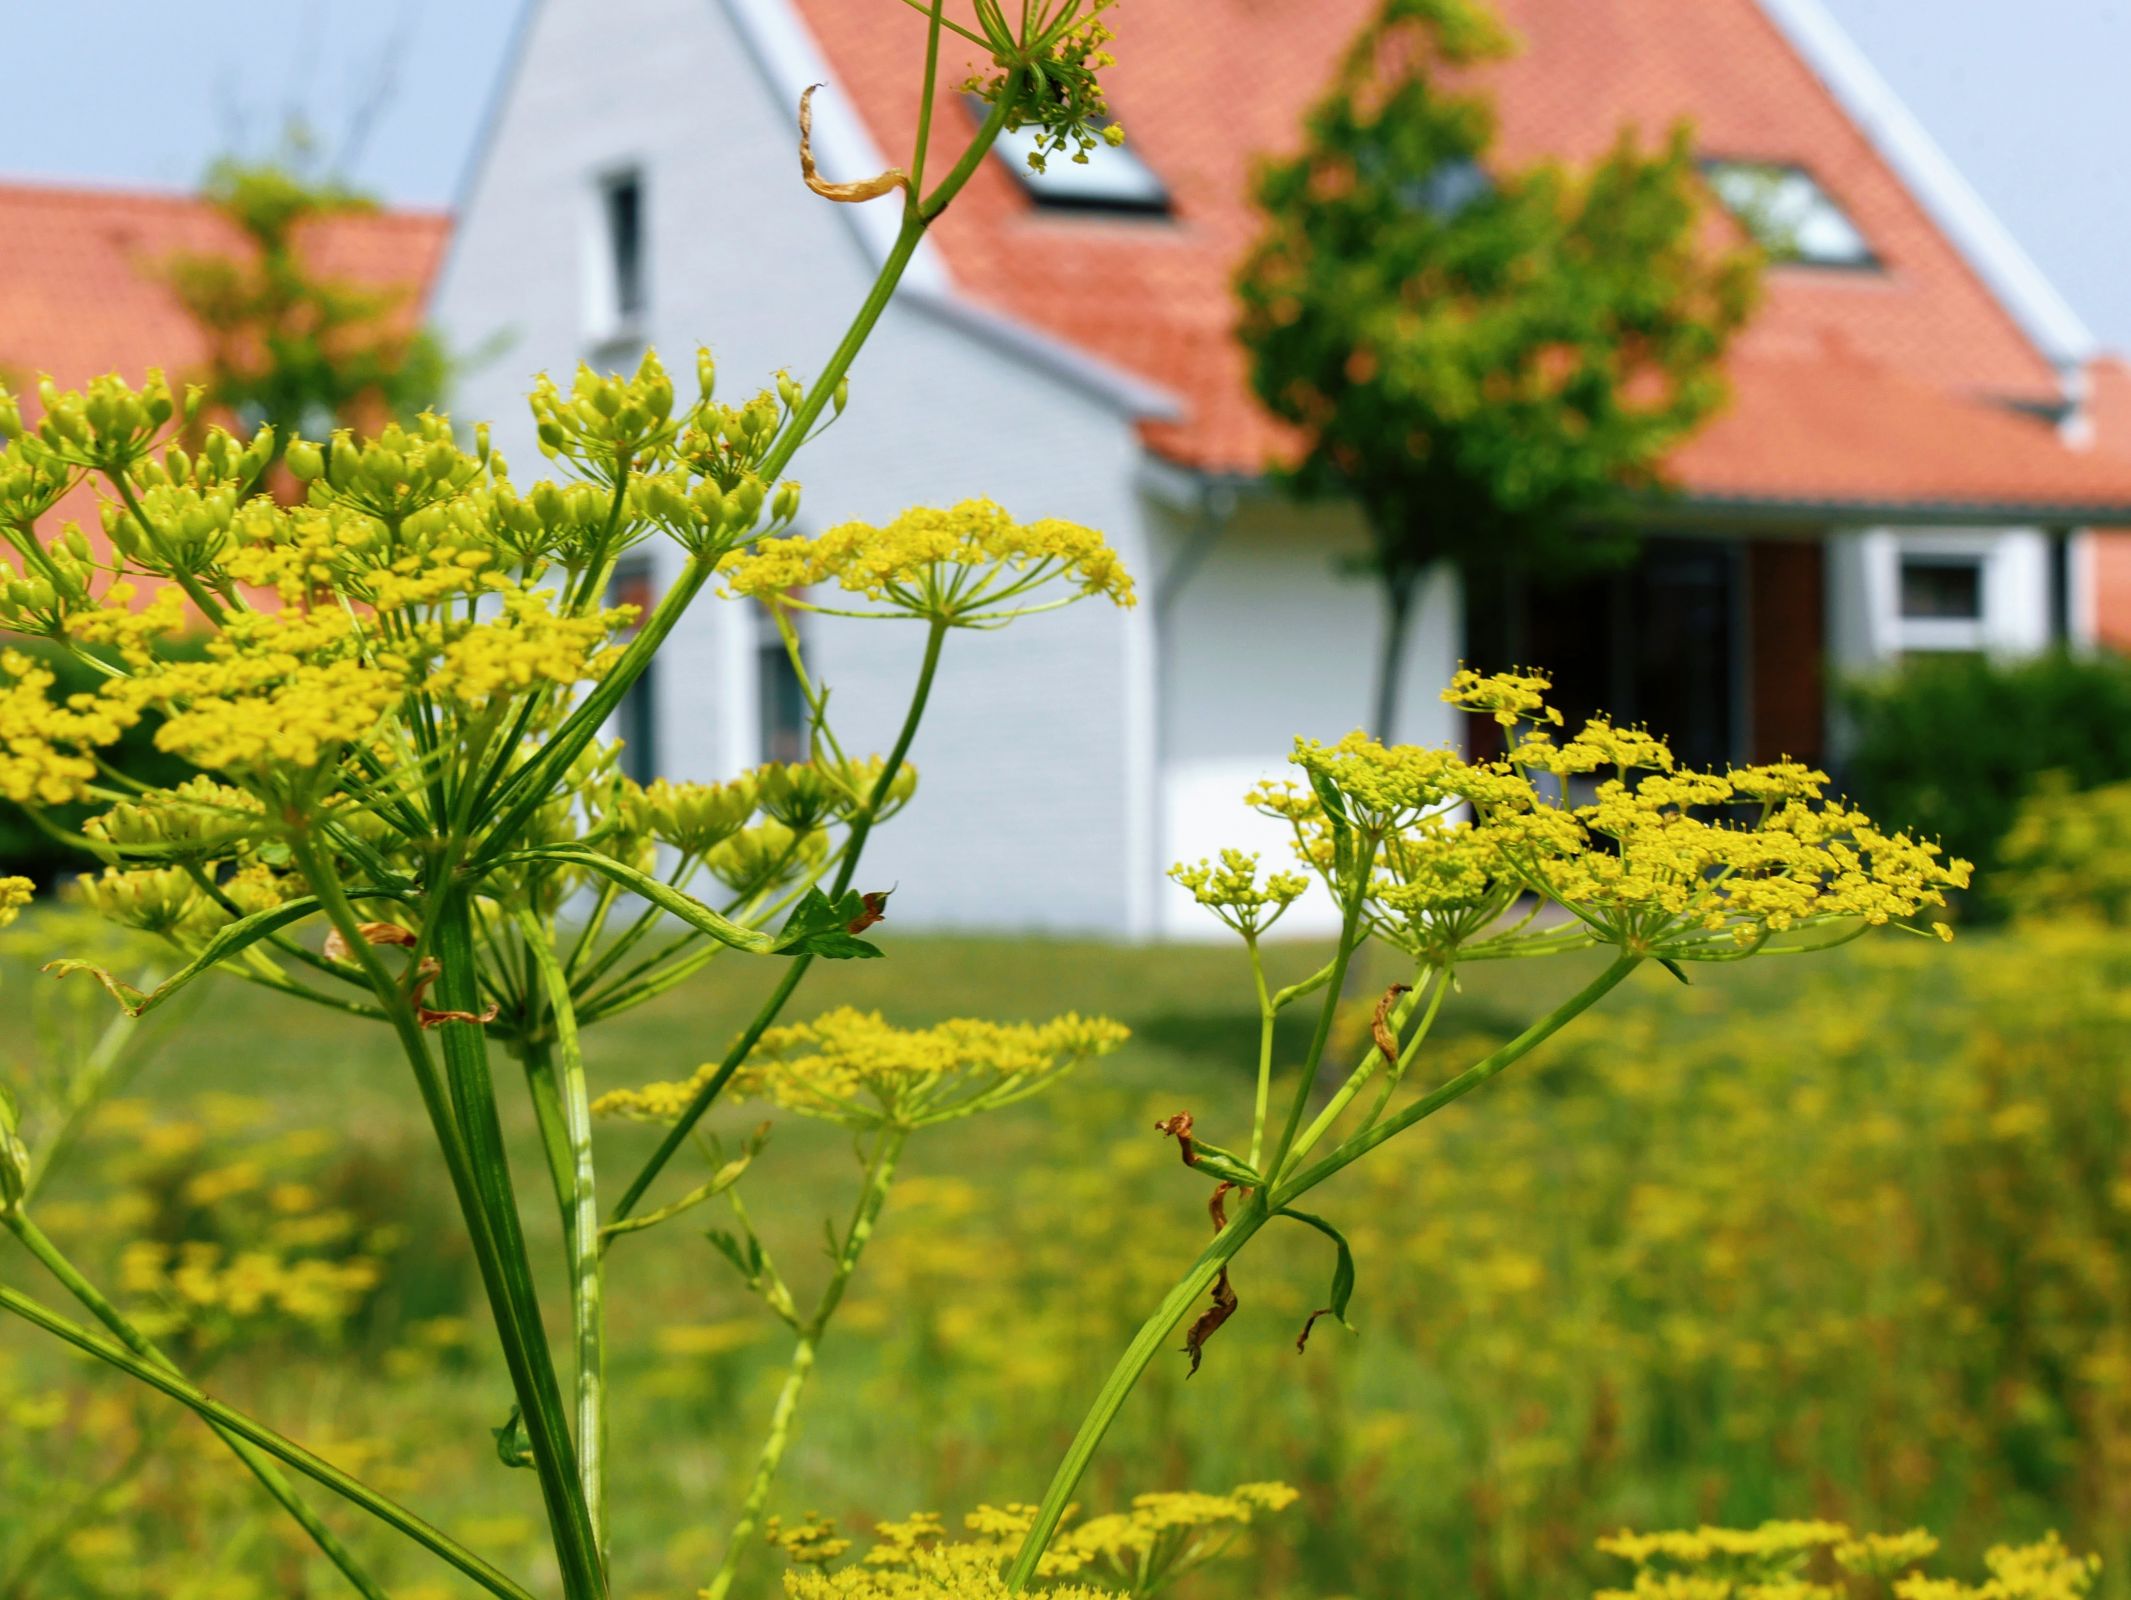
{"x":625,"y":241}
{"x":1942,"y":588}
{"x":636,"y":718}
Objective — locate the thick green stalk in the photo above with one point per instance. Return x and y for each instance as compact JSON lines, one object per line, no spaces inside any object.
{"x":236,"y":1422}
{"x":861,"y":827}
{"x":1373,"y":1062}
{"x":880,"y":1173}
{"x":1147,"y":1342}
{"x":506,"y":1268}
{"x":39,"y":1244}
{"x":580,"y":1225}
{"x":1336,"y":982}
{"x":524,"y":1342}
{"x":1110,"y":1399}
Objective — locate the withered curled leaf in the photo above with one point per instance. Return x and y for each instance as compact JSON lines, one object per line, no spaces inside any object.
{"x":863,"y":189}
{"x":1386,"y":1038}
{"x":338,"y":948}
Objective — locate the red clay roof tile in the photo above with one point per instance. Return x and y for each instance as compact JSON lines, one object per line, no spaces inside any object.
{"x":1205,"y":89}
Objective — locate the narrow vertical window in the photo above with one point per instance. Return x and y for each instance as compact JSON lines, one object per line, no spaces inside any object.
{"x":636,"y":718}
{"x":783,"y":709}
{"x":622,"y":212}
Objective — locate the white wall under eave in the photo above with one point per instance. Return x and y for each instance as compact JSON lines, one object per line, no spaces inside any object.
{"x":1270,"y":636}
{"x":1025,"y":810}
{"x":1866,"y":628}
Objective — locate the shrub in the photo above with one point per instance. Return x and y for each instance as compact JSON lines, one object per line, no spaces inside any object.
{"x":1953,"y":744}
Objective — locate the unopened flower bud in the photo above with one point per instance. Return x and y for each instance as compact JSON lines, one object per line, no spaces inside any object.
{"x":305,"y":460}
{"x":784,"y":505}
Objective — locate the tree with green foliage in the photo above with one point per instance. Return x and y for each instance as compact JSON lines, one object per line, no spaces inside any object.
{"x":289,"y":344}
{"x":1489,"y":362}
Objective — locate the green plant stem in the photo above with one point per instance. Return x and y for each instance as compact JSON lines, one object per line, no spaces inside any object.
{"x":522,"y":1339}
{"x":1373,"y":1062}
{"x":1267,"y":1017}
{"x":251,"y":1432}
{"x":54,"y":1260}
{"x":861,"y":828}
{"x":1110,"y":1399}
{"x":880,"y":1173}
{"x":513,"y":1300}
{"x":580,"y":1223}
{"x":1335,"y":981}
{"x":1254,"y":1214}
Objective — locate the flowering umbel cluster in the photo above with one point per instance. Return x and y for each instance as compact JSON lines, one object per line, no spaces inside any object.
{"x":1811,"y":1560}
{"x":1139,"y":1552}
{"x":855,"y":1068}
{"x":1604,"y":825}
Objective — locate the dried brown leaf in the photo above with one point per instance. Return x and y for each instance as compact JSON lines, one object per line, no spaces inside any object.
{"x":864,"y":189}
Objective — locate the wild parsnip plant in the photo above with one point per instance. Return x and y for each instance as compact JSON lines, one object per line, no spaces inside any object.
{"x":404,"y":811}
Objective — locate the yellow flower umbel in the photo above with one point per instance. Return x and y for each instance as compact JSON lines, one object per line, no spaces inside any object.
{"x":1801,"y":1560}
{"x":14,"y":896}
{"x":1139,"y":1552}
{"x":969,"y":567}
{"x":855,"y":1068}
{"x":1234,"y":892}
{"x":1657,"y":860}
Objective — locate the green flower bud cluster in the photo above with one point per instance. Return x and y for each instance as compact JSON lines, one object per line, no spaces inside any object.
{"x":191,"y":527}
{"x":198,"y":820}
{"x":32,"y":480}
{"x":766,"y":856}
{"x":221,"y":459}
{"x":800,"y":794}
{"x":396,"y":475}
{"x":110,"y":425}
{"x":1060,"y":51}
{"x":857,"y":779}
{"x":609,"y":426}
{"x":160,"y":900}
{"x":693,"y":818}
{"x":699,"y":516}
{"x":40,"y":600}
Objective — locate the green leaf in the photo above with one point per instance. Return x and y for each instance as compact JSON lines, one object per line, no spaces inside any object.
{"x":1674,"y":968}
{"x":228,"y":941}
{"x":661,"y":894}
{"x":513,"y":1447}
{"x":820,"y":926}
{"x":1342,"y":1275}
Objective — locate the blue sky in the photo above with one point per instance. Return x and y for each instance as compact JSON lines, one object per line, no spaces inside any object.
{"x":2031,"y":101}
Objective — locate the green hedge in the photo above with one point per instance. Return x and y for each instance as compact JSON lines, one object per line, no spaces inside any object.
{"x":1951,"y":745}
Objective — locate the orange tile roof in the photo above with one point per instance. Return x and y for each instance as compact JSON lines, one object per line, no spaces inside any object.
{"x":1206,"y":88}
{"x":79,"y":293}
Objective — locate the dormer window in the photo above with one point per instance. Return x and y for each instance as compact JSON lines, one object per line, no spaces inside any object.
{"x":620,"y":289}
{"x":1111,"y":179}
{"x":1788,"y":213}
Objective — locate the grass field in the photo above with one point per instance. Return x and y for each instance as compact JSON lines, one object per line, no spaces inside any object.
{"x":1747,"y":1248}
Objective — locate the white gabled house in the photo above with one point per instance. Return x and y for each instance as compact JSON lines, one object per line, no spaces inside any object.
{"x":1901,"y":468}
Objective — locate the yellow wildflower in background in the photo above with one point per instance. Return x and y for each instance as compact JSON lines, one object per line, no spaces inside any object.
{"x":853,"y":1067}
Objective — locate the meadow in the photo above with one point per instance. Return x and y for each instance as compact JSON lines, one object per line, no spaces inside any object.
{"x":1845,"y":1236}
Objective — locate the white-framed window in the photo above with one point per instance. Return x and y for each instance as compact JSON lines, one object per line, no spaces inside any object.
{"x":1788,"y":213}
{"x":618,"y":265}
{"x":1937,"y":586}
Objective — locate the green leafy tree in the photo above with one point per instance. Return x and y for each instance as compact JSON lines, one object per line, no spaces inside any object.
{"x":1488,"y":361}
{"x":289,"y":344}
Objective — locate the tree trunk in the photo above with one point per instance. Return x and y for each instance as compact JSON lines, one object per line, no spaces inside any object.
{"x":1399,"y":590}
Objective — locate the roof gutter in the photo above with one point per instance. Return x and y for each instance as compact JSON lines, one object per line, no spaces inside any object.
{"x":1774,"y":511}
{"x":785,"y":51}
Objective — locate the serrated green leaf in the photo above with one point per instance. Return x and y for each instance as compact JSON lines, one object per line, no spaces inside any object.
{"x":226,"y":942}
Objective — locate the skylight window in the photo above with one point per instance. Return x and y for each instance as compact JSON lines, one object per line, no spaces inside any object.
{"x":1788,"y":213}
{"x":1111,"y":179}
